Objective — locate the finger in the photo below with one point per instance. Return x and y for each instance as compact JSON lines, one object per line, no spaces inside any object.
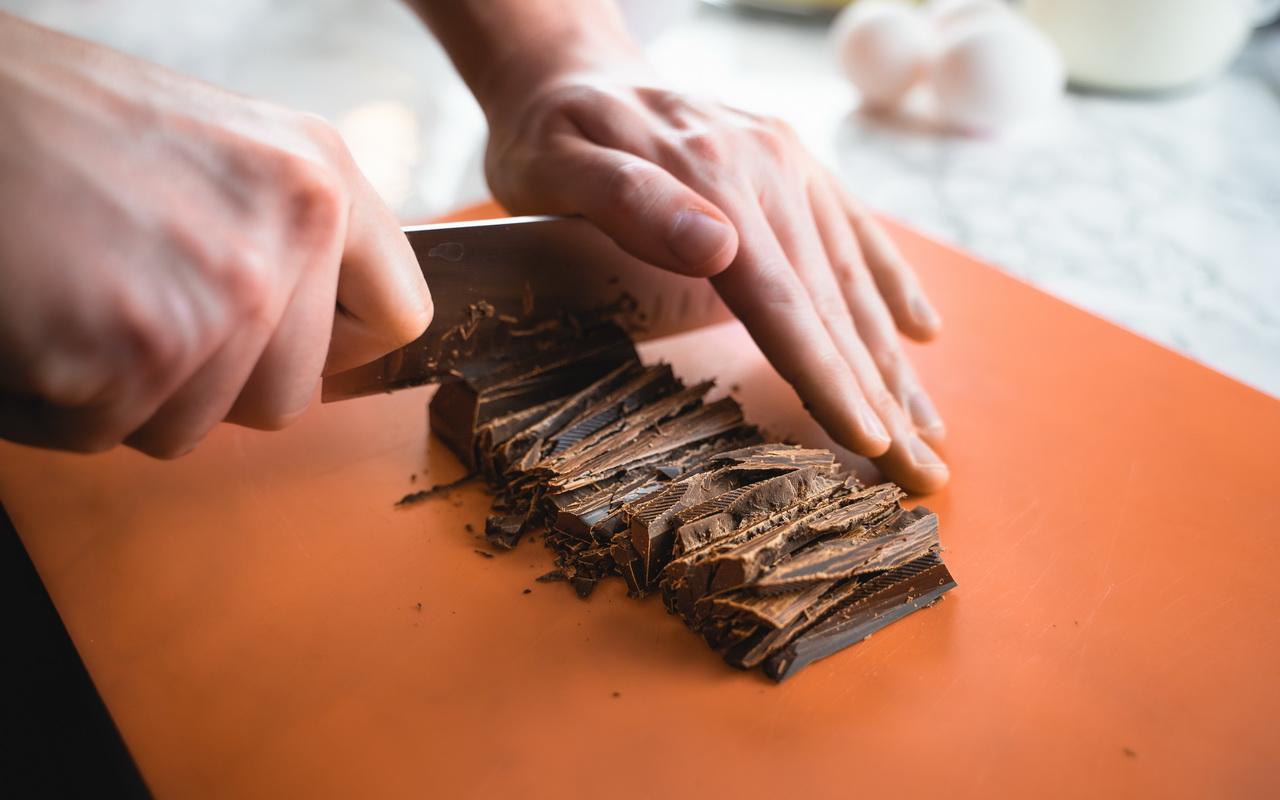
{"x":383,"y":300}
{"x":640,"y":205}
{"x":206,"y":399}
{"x":910,"y":461}
{"x":284,"y":380}
{"x":871,"y":316}
{"x":165,"y":347}
{"x":897,"y":281}
{"x":764,"y":292}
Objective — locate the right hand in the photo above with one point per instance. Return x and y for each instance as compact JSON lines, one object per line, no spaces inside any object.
{"x":172,"y":255}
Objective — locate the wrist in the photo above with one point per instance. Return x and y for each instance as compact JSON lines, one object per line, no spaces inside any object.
{"x":508,"y":51}
{"x":521,"y":74}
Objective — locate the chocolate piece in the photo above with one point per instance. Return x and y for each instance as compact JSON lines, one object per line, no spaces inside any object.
{"x":766,"y":550}
{"x":866,"y":508}
{"x":881,"y":600}
{"x":504,"y":531}
{"x":906,"y":538}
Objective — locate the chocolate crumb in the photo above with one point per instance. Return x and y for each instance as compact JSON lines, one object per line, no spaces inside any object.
{"x":469,"y":528}
{"x":427,"y":494}
{"x":1130,"y":752}
{"x":484,"y":553}
{"x":617,"y":694}
{"x":418,"y":606}
{"x":527,"y":591}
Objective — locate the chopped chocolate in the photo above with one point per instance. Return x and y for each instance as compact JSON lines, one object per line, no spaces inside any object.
{"x":881,"y":600}
{"x":504,"y":531}
{"x":768,"y":551}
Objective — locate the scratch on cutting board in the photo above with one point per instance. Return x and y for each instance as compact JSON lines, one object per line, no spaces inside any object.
{"x":1049,"y":564}
{"x":1028,"y":531}
{"x":1089,"y":619}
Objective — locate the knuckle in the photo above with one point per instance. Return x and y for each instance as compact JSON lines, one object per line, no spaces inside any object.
{"x":49,"y":378}
{"x":631,"y":183}
{"x":890,"y":361}
{"x":247,"y":282}
{"x":707,"y":147}
{"x":775,"y":138}
{"x":314,"y":199}
{"x":845,"y":271}
{"x":324,"y":135}
{"x":830,"y":306}
{"x":779,"y":291}
{"x":830,"y":362}
{"x":880,"y":398}
{"x":155,"y":347}
{"x":855,"y":278}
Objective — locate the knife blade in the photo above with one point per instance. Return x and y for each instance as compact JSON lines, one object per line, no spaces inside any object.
{"x":528,"y":268}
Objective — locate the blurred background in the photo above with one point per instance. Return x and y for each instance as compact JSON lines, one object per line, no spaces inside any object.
{"x":1148,"y":192}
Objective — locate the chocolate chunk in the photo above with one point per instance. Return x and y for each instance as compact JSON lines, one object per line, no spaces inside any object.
{"x":766,"y":550}
{"x":504,"y":531}
{"x":878,"y":602}
{"x":907,"y":537}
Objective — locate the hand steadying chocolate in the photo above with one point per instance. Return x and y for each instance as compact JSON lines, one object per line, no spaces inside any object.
{"x":579,"y":124}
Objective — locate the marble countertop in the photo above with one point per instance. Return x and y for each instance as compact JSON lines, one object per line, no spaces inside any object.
{"x":1161,"y":214}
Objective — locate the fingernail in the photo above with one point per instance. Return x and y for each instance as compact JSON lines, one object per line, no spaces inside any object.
{"x":923,"y":454}
{"x":923,"y":313}
{"x":871,"y":423}
{"x":697,"y":238}
{"x":923,"y":414}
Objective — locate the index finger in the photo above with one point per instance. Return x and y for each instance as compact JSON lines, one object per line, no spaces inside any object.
{"x":762,"y":289}
{"x":383,"y":300}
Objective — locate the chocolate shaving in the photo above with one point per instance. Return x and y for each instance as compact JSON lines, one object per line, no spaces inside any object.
{"x":767,"y":550}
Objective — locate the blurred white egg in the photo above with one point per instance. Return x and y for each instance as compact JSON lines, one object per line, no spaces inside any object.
{"x":883,"y":48}
{"x":948,"y":16}
{"x":993,"y":74}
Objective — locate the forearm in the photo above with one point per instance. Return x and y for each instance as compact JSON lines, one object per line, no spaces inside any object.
{"x":503,"y":48}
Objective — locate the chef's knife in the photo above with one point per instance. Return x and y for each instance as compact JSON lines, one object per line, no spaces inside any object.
{"x":526,"y":268}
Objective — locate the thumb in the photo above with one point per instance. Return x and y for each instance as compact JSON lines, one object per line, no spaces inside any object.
{"x":639,"y":205}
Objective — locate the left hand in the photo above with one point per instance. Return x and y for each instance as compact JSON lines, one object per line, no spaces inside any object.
{"x":702,"y":189}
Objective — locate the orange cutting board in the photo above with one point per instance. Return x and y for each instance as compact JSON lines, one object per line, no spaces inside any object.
{"x":261,"y":622}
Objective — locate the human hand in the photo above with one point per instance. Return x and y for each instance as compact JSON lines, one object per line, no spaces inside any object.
{"x":172,"y":254}
{"x":702,"y":189}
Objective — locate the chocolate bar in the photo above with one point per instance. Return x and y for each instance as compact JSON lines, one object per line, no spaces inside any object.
{"x":768,"y":551}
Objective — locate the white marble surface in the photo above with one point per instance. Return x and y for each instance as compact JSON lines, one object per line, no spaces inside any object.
{"x":1161,"y":214}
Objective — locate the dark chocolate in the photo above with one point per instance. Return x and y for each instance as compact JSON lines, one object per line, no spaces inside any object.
{"x":768,"y":551}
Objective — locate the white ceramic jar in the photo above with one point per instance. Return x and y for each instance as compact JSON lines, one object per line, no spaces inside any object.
{"x":1146,"y":45}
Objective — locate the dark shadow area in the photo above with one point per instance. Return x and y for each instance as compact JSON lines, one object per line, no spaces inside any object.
{"x":58,"y":741}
